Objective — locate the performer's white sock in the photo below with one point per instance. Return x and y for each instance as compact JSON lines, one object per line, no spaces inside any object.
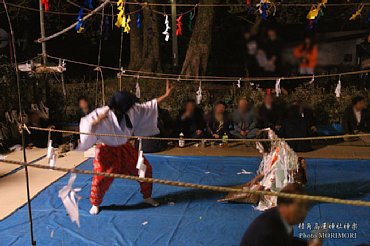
{"x":94,"y":210}
{"x":151,"y":201}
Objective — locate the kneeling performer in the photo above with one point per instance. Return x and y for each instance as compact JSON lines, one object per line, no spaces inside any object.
{"x":123,"y":116}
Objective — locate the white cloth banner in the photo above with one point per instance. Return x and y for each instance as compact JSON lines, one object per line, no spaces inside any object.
{"x":70,"y":199}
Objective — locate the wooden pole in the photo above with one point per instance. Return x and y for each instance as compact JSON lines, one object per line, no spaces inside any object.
{"x":175,"y":51}
{"x":42,"y":29}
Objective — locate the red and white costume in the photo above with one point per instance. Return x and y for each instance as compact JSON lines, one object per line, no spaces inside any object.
{"x":116,"y":154}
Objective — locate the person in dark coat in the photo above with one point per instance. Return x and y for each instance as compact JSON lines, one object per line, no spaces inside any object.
{"x":38,"y":138}
{"x":190,"y":120}
{"x":269,"y":115}
{"x":274,"y":227}
{"x":297,"y":126}
{"x":356,"y":117}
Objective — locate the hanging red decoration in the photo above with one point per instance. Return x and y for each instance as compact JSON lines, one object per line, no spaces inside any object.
{"x":179,"y":26}
{"x":46,"y":4}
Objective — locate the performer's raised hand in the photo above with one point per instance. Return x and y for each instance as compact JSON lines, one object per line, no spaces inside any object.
{"x":167,"y":93}
{"x":168,"y":88}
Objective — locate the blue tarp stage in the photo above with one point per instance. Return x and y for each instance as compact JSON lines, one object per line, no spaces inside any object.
{"x":189,"y":217}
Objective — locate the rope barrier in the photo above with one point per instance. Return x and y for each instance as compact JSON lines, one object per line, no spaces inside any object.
{"x":199,"y":139}
{"x":196,"y":186}
{"x":239,"y":4}
{"x":207,"y":78}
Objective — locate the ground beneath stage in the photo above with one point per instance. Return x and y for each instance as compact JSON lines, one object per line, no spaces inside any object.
{"x":187,"y":217}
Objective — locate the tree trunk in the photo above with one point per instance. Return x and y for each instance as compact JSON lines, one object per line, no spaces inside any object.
{"x":136,"y":41}
{"x":150,"y":49}
{"x":196,"y":59}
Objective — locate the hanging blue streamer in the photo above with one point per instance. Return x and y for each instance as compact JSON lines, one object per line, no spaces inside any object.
{"x":80,"y":25}
{"x":138,"y":20}
{"x":264,"y":9}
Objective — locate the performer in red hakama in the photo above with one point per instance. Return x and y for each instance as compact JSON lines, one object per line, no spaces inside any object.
{"x":123,"y":116}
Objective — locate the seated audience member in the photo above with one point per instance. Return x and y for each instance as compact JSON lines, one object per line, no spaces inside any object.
{"x":296,"y":126}
{"x":38,"y":138}
{"x":307,"y":112}
{"x":244,"y":120}
{"x":269,"y":115}
{"x":166,"y":124}
{"x":356,"y":117}
{"x":190,"y":120}
{"x":275,"y":225}
{"x":84,"y":106}
{"x":218,"y":123}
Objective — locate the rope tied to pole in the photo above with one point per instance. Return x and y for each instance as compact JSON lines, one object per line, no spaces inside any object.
{"x":205,"y":139}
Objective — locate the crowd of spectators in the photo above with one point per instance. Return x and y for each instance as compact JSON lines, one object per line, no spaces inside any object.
{"x":243,"y":121}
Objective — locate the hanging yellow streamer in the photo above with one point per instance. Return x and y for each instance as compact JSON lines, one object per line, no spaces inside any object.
{"x":357,"y":13}
{"x":313,"y":13}
{"x":122,"y":20}
{"x":126,"y":24}
{"x":315,"y":10}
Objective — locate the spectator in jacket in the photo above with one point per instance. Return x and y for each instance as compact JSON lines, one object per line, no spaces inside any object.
{"x":356,"y":117}
{"x":190,"y":120}
{"x":296,"y":126}
{"x":306,"y":54}
{"x":38,"y":138}
{"x":244,"y":120}
{"x":275,"y":226}
{"x":269,"y":115}
{"x":218,"y":123}
{"x":84,"y":106}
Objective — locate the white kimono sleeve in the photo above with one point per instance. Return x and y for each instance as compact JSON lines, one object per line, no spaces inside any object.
{"x":144,"y":118}
{"x":87,"y":141}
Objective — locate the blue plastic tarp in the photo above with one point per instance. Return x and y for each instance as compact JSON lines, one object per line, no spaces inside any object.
{"x":188,"y":217}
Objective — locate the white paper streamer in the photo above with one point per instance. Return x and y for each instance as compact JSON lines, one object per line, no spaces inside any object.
{"x":277,"y":87}
{"x":312,"y":80}
{"x":137,"y":88}
{"x":50,"y":152}
{"x":70,"y":199}
{"x":140,"y":162}
{"x":53,"y":160}
{"x":199,"y":93}
{"x":338,"y":88}
{"x":244,"y":172}
{"x":238,"y":83}
{"x":166,"y":33}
